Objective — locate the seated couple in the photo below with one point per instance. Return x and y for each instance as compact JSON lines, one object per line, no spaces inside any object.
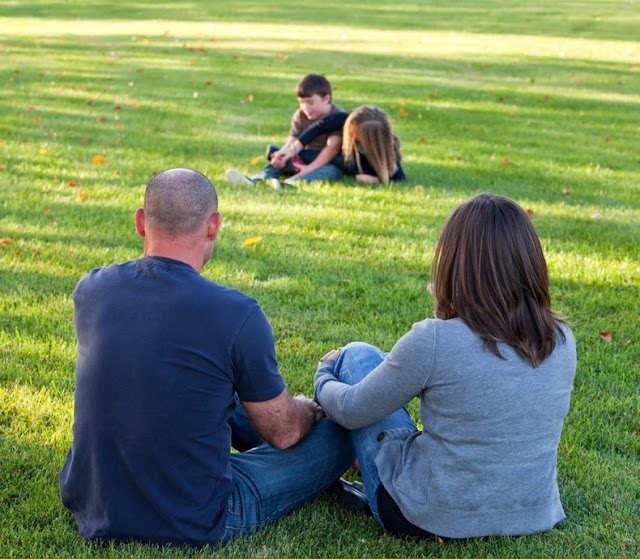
{"x":173,"y":370}
{"x":326,"y":143}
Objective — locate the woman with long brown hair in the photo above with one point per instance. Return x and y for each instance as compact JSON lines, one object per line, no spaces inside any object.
{"x":493,"y":371}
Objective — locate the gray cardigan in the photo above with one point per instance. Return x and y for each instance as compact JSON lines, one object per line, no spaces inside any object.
{"x":485,"y":460}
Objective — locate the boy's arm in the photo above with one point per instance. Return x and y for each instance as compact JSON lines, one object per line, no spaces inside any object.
{"x":331,"y":123}
{"x":328,"y":152}
{"x":279,"y":158}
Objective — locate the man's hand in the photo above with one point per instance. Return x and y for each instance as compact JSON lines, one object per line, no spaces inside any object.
{"x":313,"y":407}
{"x":283,"y":421}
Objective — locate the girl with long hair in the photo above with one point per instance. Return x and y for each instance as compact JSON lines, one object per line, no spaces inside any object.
{"x":493,"y":372}
{"x":370,"y":149}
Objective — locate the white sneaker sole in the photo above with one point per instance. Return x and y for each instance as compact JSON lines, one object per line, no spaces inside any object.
{"x":236,"y":177}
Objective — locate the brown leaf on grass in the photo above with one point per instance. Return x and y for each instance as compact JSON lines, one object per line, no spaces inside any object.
{"x":99,"y":159}
{"x":419,"y":188}
{"x":208,"y":83}
{"x":46,"y":211}
{"x":16,"y":253}
{"x":5,"y":242}
{"x":83,"y":195}
{"x":403,"y":112}
{"x":117,"y":108}
{"x":422,"y":140}
{"x":605,"y":335}
{"x":607,"y":138}
{"x":567,"y":191}
{"x":249,"y":97}
{"x":506,"y":161}
{"x":73,"y":183}
{"x":101,"y":119}
{"x":530,"y":212}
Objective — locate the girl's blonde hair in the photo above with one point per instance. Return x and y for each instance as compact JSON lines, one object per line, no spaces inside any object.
{"x":369,"y":128}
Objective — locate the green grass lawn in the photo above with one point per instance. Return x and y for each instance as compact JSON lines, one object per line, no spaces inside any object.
{"x":537,"y":101}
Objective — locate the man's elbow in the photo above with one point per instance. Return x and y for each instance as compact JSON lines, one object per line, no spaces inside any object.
{"x":287,"y":438}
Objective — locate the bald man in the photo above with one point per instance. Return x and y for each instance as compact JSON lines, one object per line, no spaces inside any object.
{"x":171,"y":369}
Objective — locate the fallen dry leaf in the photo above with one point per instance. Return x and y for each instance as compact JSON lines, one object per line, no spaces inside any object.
{"x":251,"y":241}
{"x":5,"y":242}
{"x":73,"y":183}
{"x":99,"y":159}
{"x":83,"y":195}
{"x":606,"y":335}
{"x":506,"y":161}
{"x":46,"y":211}
{"x":256,"y":160}
{"x":530,"y":211}
{"x":403,"y":112}
{"x":422,"y":140}
{"x":419,"y":188}
{"x":567,"y":191}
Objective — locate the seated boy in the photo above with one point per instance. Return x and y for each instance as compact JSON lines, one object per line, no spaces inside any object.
{"x":308,"y":162}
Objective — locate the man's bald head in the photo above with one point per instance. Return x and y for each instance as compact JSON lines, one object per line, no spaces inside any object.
{"x":179,"y":202}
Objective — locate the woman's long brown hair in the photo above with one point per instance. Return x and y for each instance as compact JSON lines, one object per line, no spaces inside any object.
{"x":489,"y":270}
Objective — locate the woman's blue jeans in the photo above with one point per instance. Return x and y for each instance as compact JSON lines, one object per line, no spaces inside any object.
{"x":270,"y":483}
{"x":356,"y":361}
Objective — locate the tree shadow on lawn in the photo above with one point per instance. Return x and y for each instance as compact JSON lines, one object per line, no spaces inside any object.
{"x":545,"y":18}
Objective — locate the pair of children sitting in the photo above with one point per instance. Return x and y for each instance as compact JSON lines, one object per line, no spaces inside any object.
{"x":325,"y":143}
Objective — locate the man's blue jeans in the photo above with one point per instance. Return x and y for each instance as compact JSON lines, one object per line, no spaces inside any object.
{"x":356,"y":361}
{"x":270,"y":483}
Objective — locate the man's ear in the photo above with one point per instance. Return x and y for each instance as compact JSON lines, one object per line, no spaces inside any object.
{"x":139,"y":217}
{"x":213,"y":226}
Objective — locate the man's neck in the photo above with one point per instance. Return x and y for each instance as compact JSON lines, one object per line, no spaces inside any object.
{"x":176,"y":251}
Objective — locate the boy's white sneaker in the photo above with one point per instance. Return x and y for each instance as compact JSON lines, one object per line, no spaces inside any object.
{"x":236,"y":177}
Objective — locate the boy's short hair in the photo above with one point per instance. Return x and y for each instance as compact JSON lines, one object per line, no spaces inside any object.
{"x":313,"y":84}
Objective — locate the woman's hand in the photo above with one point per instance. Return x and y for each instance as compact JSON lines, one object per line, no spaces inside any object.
{"x":333,"y":354}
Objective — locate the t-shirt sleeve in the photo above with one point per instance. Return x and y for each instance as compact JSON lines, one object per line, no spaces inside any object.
{"x":257,"y":378}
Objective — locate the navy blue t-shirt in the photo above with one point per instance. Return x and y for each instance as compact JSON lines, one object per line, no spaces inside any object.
{"x":161,"y":352}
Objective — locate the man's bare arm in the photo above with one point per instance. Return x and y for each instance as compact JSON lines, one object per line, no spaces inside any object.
{"x":283,"y":421}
